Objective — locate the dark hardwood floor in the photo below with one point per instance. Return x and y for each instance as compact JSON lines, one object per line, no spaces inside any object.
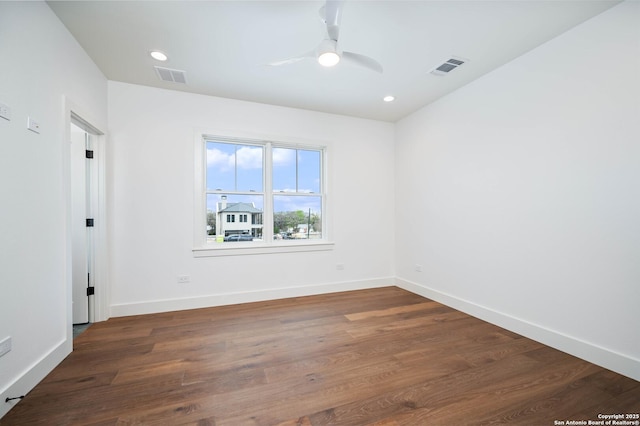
{"x":371,"y":357}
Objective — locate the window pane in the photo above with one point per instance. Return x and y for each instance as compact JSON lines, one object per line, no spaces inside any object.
{"x":221,"y":172}
{"x":297,"y":217}
{"x":296,"y":170}
{"x":234,"y":218}
{"x":249,"y":168}
{"x":308,"y":171}
{"x":234,"y":167}
{"x":284,"y":170}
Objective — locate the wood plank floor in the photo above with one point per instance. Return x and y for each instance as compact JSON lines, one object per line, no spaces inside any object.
{"x":381,"y":357}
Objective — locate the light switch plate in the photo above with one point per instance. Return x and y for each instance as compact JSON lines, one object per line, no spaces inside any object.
{"x":33,"y":125}
{"x":5,"y":111}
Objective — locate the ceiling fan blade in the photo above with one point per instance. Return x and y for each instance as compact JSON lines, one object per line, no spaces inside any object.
{"x":292,"y":60}
{"x":332,"y":17}
{"x":285,"y":61}
{"x":363,"y":61}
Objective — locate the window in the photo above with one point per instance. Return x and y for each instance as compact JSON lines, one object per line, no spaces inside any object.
{"x":275,"y":190}
{"x":297,"y":197}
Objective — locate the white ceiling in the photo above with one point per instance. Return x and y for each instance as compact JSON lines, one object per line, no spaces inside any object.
{"x":224,"y":46}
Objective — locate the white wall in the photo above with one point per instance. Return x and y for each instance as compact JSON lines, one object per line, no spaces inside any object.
{"x":41,"y":65}
{"x":152,"y":203}
{"x":527,"y":185}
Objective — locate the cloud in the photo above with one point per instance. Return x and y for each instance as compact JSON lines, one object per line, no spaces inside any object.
{"x":299,"y":191}
{"x":219,"y":159}
{"x":283,"y":156}
{"x":247,"y":157}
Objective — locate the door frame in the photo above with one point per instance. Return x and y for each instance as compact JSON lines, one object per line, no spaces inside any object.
{"x":100,"y":277}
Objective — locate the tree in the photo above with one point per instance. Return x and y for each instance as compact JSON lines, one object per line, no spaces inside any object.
{"x":211,"y":223}
{"x":284,"y":221}
{"x":279,"y":222}
{"x":300,"y":217}
{"x":316,"y":222}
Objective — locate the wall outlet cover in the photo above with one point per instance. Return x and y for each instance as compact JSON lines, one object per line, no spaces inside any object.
{"x":5,"y":111}
{"x":33,"y":125}
{"x":5,"y":346}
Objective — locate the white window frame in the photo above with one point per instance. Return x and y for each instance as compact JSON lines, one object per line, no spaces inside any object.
{"x":202,"y":248}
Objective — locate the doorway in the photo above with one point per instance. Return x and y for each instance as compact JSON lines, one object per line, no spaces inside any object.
{"x":84,"y":206}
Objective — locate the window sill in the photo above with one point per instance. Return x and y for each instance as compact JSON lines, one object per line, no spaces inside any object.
{"x":248,"y":248}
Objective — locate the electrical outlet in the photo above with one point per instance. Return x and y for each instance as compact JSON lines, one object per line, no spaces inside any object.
{"x":418,"y":268}
{"x":340,"y":266}
{"x":5,"y":111}
{"x":33,"y":125}
{"x":183,"y":279}
{"x":5,"y":346}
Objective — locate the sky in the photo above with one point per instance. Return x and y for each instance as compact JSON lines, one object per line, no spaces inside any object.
{"x":239,"y":168}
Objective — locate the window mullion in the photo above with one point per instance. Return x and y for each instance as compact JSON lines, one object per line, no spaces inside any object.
{"x":267,"y":220}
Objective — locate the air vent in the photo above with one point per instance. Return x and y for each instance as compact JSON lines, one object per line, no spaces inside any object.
{"x":173,"y":76}
{"x":449,"y":65}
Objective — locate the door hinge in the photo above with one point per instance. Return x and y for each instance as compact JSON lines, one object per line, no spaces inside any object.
{"x":91,"y":291}
{"x":89,"y":223}
{"x":88,"y":153}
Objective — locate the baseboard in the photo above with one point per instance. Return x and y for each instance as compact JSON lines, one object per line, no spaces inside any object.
{"x":155,"y":306}
{"x":603,"y":357}
{"x":33,"y":375}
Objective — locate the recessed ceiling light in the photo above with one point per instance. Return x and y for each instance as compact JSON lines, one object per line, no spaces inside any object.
{"x":158,"y":55}
{"x":388,"y":98}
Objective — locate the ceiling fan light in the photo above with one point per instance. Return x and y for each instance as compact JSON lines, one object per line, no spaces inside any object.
{"x":328,"y":59}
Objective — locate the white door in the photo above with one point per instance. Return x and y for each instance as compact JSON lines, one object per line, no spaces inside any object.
{"x":81,"y":234}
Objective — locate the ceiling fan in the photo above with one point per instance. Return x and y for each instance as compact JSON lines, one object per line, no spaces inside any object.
{"x":328,"y":53}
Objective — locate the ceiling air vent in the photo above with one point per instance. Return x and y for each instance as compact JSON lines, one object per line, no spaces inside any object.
{"x":173,"y":76}
{"x":449,"y":65}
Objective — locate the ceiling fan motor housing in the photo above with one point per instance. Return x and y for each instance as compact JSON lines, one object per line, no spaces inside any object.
{"x":327,"y":53}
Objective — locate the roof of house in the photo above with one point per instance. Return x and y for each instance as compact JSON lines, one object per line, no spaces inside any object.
{"x":240,"y":208}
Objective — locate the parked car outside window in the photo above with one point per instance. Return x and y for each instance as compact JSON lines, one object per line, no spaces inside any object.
{"x":238,"y":237}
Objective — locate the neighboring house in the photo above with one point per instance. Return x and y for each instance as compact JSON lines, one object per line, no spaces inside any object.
{"x":238,"y":218}
{"x":304,"y":232}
